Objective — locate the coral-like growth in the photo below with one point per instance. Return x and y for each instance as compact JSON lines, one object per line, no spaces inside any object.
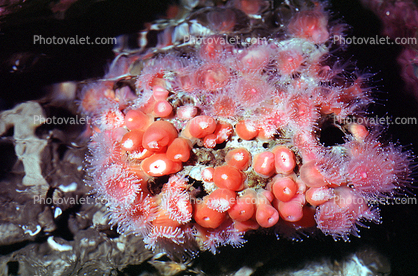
{"x":224,"y":138}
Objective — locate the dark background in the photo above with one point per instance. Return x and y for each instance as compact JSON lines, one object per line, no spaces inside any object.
{"x":396,"y":237}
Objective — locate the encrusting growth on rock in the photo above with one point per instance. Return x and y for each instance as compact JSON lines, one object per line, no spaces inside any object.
{"x":223,"y":138}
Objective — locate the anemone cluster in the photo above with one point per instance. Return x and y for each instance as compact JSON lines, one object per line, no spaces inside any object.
{"x":210,"y":140}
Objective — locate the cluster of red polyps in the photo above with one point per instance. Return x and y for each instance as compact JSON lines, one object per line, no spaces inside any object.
{"x":210,"y":141}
